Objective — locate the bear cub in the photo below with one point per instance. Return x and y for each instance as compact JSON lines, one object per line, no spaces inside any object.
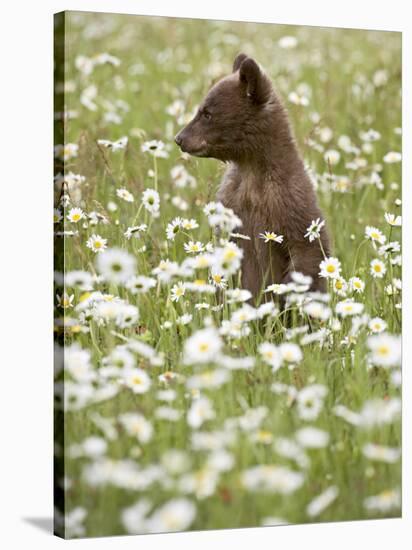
{"x":242,"y":122}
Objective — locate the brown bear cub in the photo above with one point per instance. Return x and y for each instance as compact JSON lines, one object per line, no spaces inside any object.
{"x":242,"y":121}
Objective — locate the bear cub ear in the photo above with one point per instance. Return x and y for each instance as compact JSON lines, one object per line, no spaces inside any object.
{"x":238,"y":61}
{"x":257,"y":85}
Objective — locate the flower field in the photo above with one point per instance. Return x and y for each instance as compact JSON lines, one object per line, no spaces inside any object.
{"x":180,"y":403}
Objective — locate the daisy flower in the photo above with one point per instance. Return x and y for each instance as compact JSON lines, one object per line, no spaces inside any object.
{"x":176,"y":109}
{"x":340,"y":286}
{"x":116,"y":265}
{"x":184,"y":319}
{"x":389,"y":248}
{"x":151,"y":200}
{"x":75,"y":215}
{"x":313,"y":231}
{"x":290,"y":353}
{"x":298,"y":99}
{"x":270,"y":236}
{"x":140,"y":284}
{"x":381,"y":453}
{"x":330,"y":268}
{"x":317,"y":311}
{"x":393,"y":220}
{"x":96,"y":243}
{"x":228,"y":259}
{"x":332,"y":157}
{"x":156,"y":148}
{"x":114,"y":145}
{"x":310,"y":401}
{"x":200,"y":411}
{"x":178,"y":291}
{"x":392,"y":157}
{"x":277,"y":288}
{"x":176,"y":514}
{"x":322,"y":501}
{"x":193,"y":247}
{"x":136,"y":425}
{"x":312,"y":438}
{"x":67,"y":151}
{"x":374,"y":235}
{"x":189,"y":224}
{"x":356,"y":285}
{"x":384,"y":502}
{"x":377,"y":325}
{"x":377,"y":268}
{"x":173,"y":228}
{"x":135,"y":231}
{"x":349,"y":307}
{"x":270,"y":355}
{"x":385,"y":349}
{"x":124,"y":194}
{"x":137,"y":380}
{"x":218,"y":280}
{"x":65,"y":301}
{"x":202,"y":347}
{"x":287,"y":42}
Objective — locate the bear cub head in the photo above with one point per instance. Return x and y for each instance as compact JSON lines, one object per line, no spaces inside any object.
{"x":231,"y":119}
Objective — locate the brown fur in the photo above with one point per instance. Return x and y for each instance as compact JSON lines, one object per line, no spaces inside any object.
{"x":242,"y":121}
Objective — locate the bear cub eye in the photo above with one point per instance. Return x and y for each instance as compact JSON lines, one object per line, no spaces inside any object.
{"x":206,"y":114}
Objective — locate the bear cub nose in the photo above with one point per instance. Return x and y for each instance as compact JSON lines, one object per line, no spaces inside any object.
{"x":178,"y":139}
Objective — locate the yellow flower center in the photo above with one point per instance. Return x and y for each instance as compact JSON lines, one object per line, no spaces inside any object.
{"x":339,"y":285}
{"x":383,"y":350}
{"x":203,"y":347}
{"x":84,"y":296}
{"x":76,"y":217}
{"x":330,"y":268}
{"x":97,"y":244}
{"x":377,"y":267}
{"x":230,"y":254}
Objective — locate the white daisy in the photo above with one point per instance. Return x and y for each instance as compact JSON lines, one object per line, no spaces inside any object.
{"x":330,"y":268}
{"x":124,"y":194}
{"x":156,"y":148}
{"x":193,"y":247}
{"x":140,"y":284}
{"x":348,"y":308}
{"x":356,"y":285}
{"x":269,"y":236}
{"x":137,"y":380}
{"x":393,"y":220}
{"x":151,"y":201}
{"x":392,"y":157}
{"x":96,"y":243}
{"x":203,"y":346}
{"x":377,"y":325}
{"x":377,"y":268}
{"x":75,"y":215}
{"x":178,"y":291}
{"x":116,"y":265}
{"x":385,"y":349}
{"x":313,"y":231}
{"x":374,"y":235}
